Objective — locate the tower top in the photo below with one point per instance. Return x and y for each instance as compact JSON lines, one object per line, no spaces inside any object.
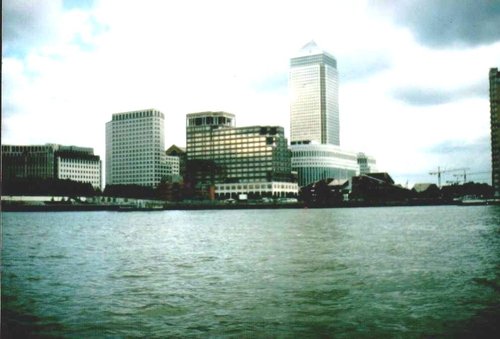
{"x":311,"y":48}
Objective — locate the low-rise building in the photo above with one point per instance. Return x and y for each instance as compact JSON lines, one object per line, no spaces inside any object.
{"x":28,"y":161}
{"x":51,"y":161}
{"x":256,"y":190}
{"x":378,"y":187}
{"x":325,"y":192}
{"x":78,"y":164}
{"x":426,"y":191}
{"x":314,"y":162}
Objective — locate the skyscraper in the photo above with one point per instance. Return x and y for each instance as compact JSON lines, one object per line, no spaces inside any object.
{"x":135,"y":148}
{"x":495,"y":128}
{"x":314,"y":107}
{"x":314,"y":120}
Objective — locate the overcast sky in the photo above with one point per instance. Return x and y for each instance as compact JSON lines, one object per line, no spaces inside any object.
{"x":413,"y":73}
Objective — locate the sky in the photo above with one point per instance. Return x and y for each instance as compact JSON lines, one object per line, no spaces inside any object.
{"x":413,"y":74}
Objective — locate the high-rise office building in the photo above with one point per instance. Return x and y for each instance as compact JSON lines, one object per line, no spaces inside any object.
{"x":314,"y":107}
{"x":495,"y":128}
{"x":314,"y":120}
{"x":252,"y":160}
{"x":135,"y":148}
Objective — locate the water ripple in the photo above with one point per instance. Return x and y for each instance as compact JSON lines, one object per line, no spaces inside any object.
{"x":381,"y":272}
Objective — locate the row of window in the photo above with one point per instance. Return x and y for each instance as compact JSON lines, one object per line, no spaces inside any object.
{"x":136,"y":165}
{"x":22,"y":149}
{"x":135,"y":128}
{"x":267,"y":186}
{"x":129,"y":125}
{"x":256,"y":151}
{"x":82,"y":167}
{"x":219,"y":145}
{"x":78,"y":176}
{"x":136,"y":115}
{"x":136,"y":155}
{"x":328,"y":154}
{"x":144,"y":141}
{"x":219,"y":136}
{"x":79,"y":170}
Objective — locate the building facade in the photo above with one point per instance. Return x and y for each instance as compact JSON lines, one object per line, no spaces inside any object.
{"x":256,"y":190}
{"x":78,"y":164}
{"x":367,"y":164}
{"x":314,"y":107}
{"x":51,"y":161}
{"x":314,"y":162}
{"x":30,"y":161}
{"x":235,"y":160}
{"x":135,"y":148}
{"x":173,"y":165}
{"x":495,"y":128}
{"x":180,"y":154}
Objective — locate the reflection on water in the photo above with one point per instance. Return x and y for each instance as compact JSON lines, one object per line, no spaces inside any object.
{"x":416,"y":271}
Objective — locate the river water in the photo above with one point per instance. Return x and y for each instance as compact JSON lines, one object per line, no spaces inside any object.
{"x":359,"y":272}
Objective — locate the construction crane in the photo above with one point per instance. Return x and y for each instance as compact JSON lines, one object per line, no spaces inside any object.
{"x":439,"y":172}
{"x":464,"y":175}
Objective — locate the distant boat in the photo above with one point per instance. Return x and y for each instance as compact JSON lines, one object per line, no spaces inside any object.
{"x":475,"y":201}
{"x":131,"y":208}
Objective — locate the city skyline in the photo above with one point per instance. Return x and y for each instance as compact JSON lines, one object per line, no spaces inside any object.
{"x":413,"y":99}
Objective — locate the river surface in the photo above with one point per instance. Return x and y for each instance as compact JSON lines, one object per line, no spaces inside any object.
{"x":344,"y":273}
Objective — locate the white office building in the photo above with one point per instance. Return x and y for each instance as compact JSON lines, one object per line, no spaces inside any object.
{"x":78,"y":164}
{"x":257,"y":189}
{"x":135,"y":148}
{"x":172,"y":165}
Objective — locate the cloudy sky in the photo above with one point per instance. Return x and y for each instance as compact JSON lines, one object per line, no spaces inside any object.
{"x":413,"y":73}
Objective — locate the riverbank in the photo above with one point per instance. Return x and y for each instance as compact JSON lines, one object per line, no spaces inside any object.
{"x":19,"y":206}
{"x":13,"y":207}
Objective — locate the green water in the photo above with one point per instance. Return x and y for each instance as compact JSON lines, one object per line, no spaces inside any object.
{"x":367,"y":272}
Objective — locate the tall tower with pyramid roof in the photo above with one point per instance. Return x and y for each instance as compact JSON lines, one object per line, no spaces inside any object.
{"x":314,"y":106}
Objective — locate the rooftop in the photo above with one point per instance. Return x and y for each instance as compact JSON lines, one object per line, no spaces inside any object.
{"x":311,"y":48}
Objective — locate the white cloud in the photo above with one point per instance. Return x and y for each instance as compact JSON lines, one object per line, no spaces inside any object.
{"x":192,"y":56}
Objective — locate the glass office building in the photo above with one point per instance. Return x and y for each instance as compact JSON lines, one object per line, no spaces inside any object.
{"x":314,"y":107}
{"x":314,"y":162}
{"x":30,"y":161}
{"x":222,"y":155}
{"x":135,"y":148}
